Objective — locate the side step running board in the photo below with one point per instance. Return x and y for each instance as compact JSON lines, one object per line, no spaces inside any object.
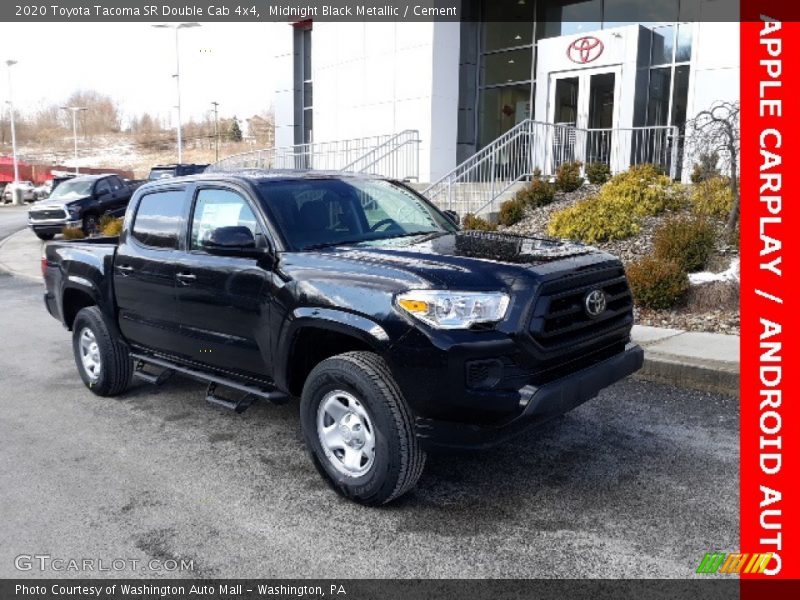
{"x":237,"y":406}
{"x":154,"y":379}
{"x":250,"y":392}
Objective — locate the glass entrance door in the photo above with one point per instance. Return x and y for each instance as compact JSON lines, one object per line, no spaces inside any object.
{"x":600,"y":117}
{"x":584,"y":107}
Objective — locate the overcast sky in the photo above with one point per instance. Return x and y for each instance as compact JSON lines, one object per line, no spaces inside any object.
{"x":134,"y":63}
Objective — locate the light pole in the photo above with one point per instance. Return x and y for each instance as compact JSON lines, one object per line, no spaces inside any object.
{"x":216,"y":131}
{"x":9,"y":64}
{"x":75,"y":110}
{"x":177,"y":27}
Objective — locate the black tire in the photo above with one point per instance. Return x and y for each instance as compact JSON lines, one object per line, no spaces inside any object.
{"x":90,"y":224}
{"x":44,"y":236}
{"x":398,"y":460}
{"x":116,"y":365}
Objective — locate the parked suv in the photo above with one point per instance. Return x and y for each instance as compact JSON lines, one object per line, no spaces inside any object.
{"x":27,"y":188}
{"x":397,"y":331}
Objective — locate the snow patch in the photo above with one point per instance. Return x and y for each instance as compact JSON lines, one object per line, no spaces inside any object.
{"x":730,"y":274}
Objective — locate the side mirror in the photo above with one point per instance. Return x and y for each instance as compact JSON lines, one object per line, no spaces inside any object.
{"x":453,"y":216}
{"x":234,"y":240}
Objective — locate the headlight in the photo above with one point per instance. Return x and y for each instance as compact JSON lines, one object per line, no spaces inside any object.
{"x":73,"y":210}
{"x":453,"y":310}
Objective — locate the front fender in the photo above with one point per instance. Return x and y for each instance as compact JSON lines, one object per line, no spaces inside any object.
{"x":335,"y":320}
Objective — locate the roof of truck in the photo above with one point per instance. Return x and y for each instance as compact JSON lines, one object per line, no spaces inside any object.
{"x":286,"y":174}
{"x":251,"y":176}
{"x":92,"y":176}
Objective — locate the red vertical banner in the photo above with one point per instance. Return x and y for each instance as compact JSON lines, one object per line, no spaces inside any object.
{"x":770,"y":301}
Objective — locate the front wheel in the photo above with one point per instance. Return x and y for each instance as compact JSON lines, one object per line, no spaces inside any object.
{"x":90,"y":224}
{"x":102,"y":360}
{"x":359,"y":430}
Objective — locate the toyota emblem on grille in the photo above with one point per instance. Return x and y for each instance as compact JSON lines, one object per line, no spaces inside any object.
{"x":595,"y":303}
{"x":585,"y":50}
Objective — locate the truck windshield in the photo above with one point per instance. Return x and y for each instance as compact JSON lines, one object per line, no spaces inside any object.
{"x":73,"y":188}
{"x":315,"y":213}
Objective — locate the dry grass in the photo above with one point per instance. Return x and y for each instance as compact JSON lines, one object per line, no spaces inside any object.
{"x":718,"y":295}
{"x":120,"y":151}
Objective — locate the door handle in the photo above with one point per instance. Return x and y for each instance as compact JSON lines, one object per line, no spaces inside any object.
{"x":186,"y":277}
{"x":126,"y":269}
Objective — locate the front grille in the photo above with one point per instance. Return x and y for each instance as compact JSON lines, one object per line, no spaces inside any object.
{"x":560,"y":318}
{"x":48,"y":213}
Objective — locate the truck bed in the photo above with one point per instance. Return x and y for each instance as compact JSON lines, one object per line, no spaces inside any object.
{"x":83,"y":265}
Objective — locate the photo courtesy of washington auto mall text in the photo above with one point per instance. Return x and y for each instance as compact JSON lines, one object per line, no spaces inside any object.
{"x":390,"y":299}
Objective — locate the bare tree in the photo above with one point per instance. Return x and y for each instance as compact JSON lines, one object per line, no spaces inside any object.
{"x":716,"y":131}
{"x":102,"y":116}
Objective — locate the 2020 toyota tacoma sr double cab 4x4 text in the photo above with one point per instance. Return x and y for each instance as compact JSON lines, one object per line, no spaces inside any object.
{"x":398,"y":332}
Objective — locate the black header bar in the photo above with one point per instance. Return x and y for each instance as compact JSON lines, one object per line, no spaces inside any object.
{"x":159,"y":11}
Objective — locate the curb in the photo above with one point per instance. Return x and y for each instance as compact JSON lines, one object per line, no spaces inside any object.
{"x":4,"y":266}
{"x":707,"y":362}
{"x":714,"y":377}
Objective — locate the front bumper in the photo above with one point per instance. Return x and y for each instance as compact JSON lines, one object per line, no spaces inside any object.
{"x":537,"y":405}
{"x":54,"y":226}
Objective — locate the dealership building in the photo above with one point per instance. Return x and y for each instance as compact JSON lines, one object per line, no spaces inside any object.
{"x":592,"y":65}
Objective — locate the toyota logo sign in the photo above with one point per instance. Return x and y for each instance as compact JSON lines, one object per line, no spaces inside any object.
{"x":595,"y":303}
{"x":585,"y":50}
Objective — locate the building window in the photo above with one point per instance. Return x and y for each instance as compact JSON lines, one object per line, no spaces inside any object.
{"x":506,"y":68}
{"x":564,"y":17}
{"x":668,"y":90}
{"x":303,"y":88}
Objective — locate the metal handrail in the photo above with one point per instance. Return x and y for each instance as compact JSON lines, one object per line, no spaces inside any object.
{"x":397,"y":158}
{"x":390,"y":143}
{"x":390,"y":155}
{"x":476,"y":183}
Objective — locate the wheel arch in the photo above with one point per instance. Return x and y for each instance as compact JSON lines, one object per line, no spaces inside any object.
{"x":73,"y":300}
{"x":317,"y":334}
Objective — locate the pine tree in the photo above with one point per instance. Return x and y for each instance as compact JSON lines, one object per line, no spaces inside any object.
{"x":236,"y":131}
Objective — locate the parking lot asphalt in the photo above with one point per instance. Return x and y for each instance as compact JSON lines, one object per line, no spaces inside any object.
{"x":639,"y":482}
{"x":12,"y":218}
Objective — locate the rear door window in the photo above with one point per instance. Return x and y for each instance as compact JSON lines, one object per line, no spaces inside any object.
{"x":159,"y":218}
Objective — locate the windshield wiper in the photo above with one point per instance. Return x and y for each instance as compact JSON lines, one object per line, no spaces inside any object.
{"x":380,"y":239}
{"x":427,"y":233}
{"x":332,"y":244}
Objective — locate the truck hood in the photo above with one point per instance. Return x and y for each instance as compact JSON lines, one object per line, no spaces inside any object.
{"x":62,"y":202}
{"x":463,"y":260}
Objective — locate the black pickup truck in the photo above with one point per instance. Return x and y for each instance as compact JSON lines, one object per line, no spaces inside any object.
{"x":80,"y":202}
{"x":398,"y":332}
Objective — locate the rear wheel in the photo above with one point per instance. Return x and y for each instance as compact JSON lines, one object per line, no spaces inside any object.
{"x":45,"y":236}
{"x":102,"y":360}
{"x":359,"y":430}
